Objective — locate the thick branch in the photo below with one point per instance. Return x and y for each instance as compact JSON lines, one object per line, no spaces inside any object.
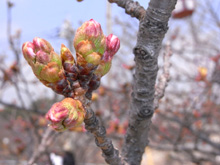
{"x":151,"y":33}
{"x":134,"y":9}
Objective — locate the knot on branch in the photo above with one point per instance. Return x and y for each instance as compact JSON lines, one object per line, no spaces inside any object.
{"x":91,"y":123}
{"x":142,"y":53}
{"x":146,"y":112}
{"x":146,"y":109}
{"x":143,"y":93}
{"x":112,"y":156}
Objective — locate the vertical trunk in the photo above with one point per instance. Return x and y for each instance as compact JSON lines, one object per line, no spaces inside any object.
{"x":151,"y":33}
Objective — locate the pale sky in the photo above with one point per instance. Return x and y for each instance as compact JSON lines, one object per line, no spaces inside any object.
{"x":41,"y":17}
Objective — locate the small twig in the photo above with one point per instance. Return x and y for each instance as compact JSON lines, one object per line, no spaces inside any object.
{"x":46,"y":140}
{"x":14,"y":49}
{"x":213,"y":13}
{"x":134,"y":9}
{"x":11,"y":42}
{"x":164,"y":78}
{"x":27,"y":91}
{"x":18,"y":91}
{"x":199,"y":134}
{"x":21,"y":109}
{"x":13,"y":106}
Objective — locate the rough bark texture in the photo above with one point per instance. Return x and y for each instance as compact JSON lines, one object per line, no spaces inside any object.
{"x":151,"y":33}
{"x":134,"y":9}
{"x":110,"y":154}
{"x":93,"y":125}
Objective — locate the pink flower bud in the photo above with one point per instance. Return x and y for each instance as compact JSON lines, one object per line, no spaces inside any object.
{"x":93,"y":28}
{"x":42,"y":44}
{"x":66,"y":114}
{"x":89,"y":35}
{"x":45,"y":63}
{"x":28,"y":50}
{"x":50,"y":72}
{"x":42,"y":57}
{"x":112,"y":46}
{"x":89,"y":29}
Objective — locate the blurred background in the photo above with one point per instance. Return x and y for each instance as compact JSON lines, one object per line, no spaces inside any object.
{"x":186,"y":126}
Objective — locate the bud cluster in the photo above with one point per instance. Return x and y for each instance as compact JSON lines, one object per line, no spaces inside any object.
{"x":67,"y":76}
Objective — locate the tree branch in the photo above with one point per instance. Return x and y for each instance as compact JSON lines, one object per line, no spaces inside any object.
{"x":21,"y":109}
{"x":151,"y":33}
{"x":164,"y":78}
{"x":134,"y":9}
{"x":93,"y":125}
{"x":199,"y":134}
{"x":10,"y":38}
{"x":47,"y":139}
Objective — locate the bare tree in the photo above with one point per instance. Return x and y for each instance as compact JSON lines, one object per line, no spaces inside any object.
{"x":153,"y":25}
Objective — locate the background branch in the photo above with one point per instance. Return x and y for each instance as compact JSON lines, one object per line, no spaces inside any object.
{"x":46,"y":140}
{"x":164,"y":78}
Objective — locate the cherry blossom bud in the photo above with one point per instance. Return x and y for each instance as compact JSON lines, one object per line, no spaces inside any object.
{"x":66,"y":114}
{"x":50,"y":72}
{"x":90,"y":30}
{"x":45,"y":63}
{"x":28,"y":50}
{"x":89,"y":43}
{"x":66,"y":55}
{"x":202,"y":74}
{"x":112,"y":46}
{"x":42,"y":44}
{"x":103,"y":68}
{"x":68,"y":63}
{"x":93,"y":58}
{"x":85,"y":47}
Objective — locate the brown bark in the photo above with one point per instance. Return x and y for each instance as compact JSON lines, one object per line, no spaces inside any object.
{"x":152,"y":29}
